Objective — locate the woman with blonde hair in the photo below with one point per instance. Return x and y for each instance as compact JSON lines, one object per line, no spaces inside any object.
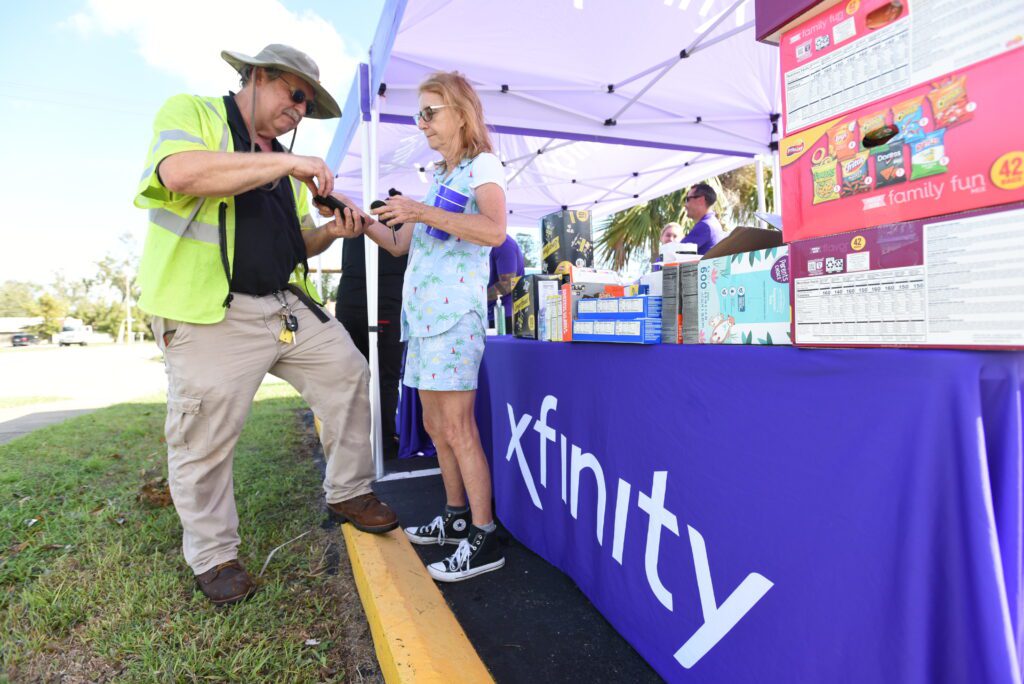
{"x":444,"y":311}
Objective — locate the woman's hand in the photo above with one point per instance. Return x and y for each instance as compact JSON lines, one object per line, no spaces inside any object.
{"x":399,"y":209}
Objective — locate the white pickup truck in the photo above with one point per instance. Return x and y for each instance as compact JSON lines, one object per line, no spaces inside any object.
{"x":74,"y":332}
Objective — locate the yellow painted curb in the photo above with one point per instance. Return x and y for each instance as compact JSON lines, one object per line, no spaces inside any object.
{"x":416,"y":636}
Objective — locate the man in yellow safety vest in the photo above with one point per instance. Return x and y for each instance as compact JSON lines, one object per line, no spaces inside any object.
{"x":224,"y":275}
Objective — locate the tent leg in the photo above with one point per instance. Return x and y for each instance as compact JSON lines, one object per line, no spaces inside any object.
{"x":370,"y":176}
{"x":759,"y":170}
{"x":777,"y":184}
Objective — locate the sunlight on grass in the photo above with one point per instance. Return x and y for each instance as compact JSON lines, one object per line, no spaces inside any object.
{"x":93,"y":584}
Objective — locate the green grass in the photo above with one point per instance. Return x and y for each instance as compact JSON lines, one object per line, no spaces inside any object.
{"x":13,"y":402}
{"x":96,"y":588}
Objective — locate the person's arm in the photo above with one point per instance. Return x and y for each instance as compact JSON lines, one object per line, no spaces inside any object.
{"x":505,"y":266}
{"x":486,"y":228}
{"x":396,"y":245}
{"x":226,"y":174}
{"x":347,"y":225}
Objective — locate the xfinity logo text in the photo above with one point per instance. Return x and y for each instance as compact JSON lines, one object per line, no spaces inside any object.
{"x":661,"y":525}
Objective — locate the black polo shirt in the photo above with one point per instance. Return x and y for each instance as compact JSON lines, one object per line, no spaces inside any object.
{"x":390,"y":275}
{"x":268,"y":240}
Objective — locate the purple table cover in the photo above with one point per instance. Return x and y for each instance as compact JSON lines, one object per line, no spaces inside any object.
{"x":774,"y":514}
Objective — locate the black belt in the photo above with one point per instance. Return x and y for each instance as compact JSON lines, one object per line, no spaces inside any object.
{"x":308,"y":301}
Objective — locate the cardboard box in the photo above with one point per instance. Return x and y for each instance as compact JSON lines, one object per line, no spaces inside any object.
{"x":529,"y":303}
{"x":948,"y":281}
{"x":679,"y":304}
{"x":744,"y":298}
{"x":899,"y":116}
{"x":567,"y":241}
{"x":642,"y":331}
{"x":744,"y":239}
{"x":552,"y":330}
{"x":619,"y":308}
{"x":847,"y":57}
{"x":774,"y":17}
{"x":572,"y":295}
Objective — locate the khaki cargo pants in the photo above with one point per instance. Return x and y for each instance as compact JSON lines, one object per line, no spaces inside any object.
{"x":213,"y":372}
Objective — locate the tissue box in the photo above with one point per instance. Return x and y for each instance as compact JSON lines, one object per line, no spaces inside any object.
{"x":744,"y":298}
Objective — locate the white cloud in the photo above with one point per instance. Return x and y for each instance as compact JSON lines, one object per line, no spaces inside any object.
{"x":186,"y":42}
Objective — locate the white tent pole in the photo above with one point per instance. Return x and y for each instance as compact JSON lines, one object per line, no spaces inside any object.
{"x":721,"y":17}
{"x":531,"y":160}
{"x":759,"y":169}
{"x":370,"y":176}
{"x":643,"y":90}
{"x":725,"y":36}
{"x":776,"y":184}
{"x":672,"y":63}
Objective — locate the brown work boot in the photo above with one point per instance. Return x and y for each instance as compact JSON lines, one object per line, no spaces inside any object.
{"x":226,"y":584}
{"x":366,"y":513}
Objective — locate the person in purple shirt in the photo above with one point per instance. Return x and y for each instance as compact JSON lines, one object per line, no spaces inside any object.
{"x":506,"y":264}
{"x":707,"y":231}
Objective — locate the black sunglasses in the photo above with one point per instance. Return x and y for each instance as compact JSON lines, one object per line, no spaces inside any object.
{"x":299,"y":96}
{"x":691,"y":197}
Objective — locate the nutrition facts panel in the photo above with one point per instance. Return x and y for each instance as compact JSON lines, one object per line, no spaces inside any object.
{"x":886,"y":306}
{"x":861,"y":72}
{"x":858,"y":65}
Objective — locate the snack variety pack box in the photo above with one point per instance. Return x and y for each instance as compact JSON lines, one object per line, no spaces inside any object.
{"x":529,"y":303}
{"x":947,"y":281}
{"x":744,"y":298}
{"x":567,"y":241}
{"x":896,"y":115}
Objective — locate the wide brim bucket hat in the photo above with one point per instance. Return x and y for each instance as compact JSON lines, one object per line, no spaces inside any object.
{"x":287,"y":58}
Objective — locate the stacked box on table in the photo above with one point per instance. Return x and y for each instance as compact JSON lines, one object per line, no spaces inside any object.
{"x":947,"y":281}
{"x":931,"y":128}
{"x":552,"y":331}
{"x":640,"y":331}
{"x":620,"y":308}
{"x":567,"y":241}
{"x":529,"y":304}
{"x":744,"y":298}
{"x":679,"y":304}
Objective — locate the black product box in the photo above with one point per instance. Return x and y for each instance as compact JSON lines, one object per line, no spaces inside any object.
{"x":529,"y":303}
{"x":567,"y":241}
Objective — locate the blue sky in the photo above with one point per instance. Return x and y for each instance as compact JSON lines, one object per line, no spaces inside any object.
{"x":82,"y":83}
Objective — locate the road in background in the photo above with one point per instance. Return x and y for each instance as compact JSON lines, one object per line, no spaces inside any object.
{"x":44,"y":385}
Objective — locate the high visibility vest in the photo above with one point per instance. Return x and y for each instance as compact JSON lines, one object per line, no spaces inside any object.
{"x":187,"y":261}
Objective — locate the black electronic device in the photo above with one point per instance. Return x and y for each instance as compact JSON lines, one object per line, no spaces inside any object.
{"x":330,"y":201}
{"x":376,"y":204}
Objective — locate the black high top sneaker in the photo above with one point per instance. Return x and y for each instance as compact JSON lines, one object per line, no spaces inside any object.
{"x":449,"y":528}
{"x":476,"y":555}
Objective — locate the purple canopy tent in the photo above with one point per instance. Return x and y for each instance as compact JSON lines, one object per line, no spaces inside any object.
{"x":595,"y":105}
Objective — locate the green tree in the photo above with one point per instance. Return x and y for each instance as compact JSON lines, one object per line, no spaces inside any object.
{"x":637,"y":231}
{"x":530,"y":246}
{"x":117,"y":272}
{"x":18,"y":298}
{"x":52,"y":310}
